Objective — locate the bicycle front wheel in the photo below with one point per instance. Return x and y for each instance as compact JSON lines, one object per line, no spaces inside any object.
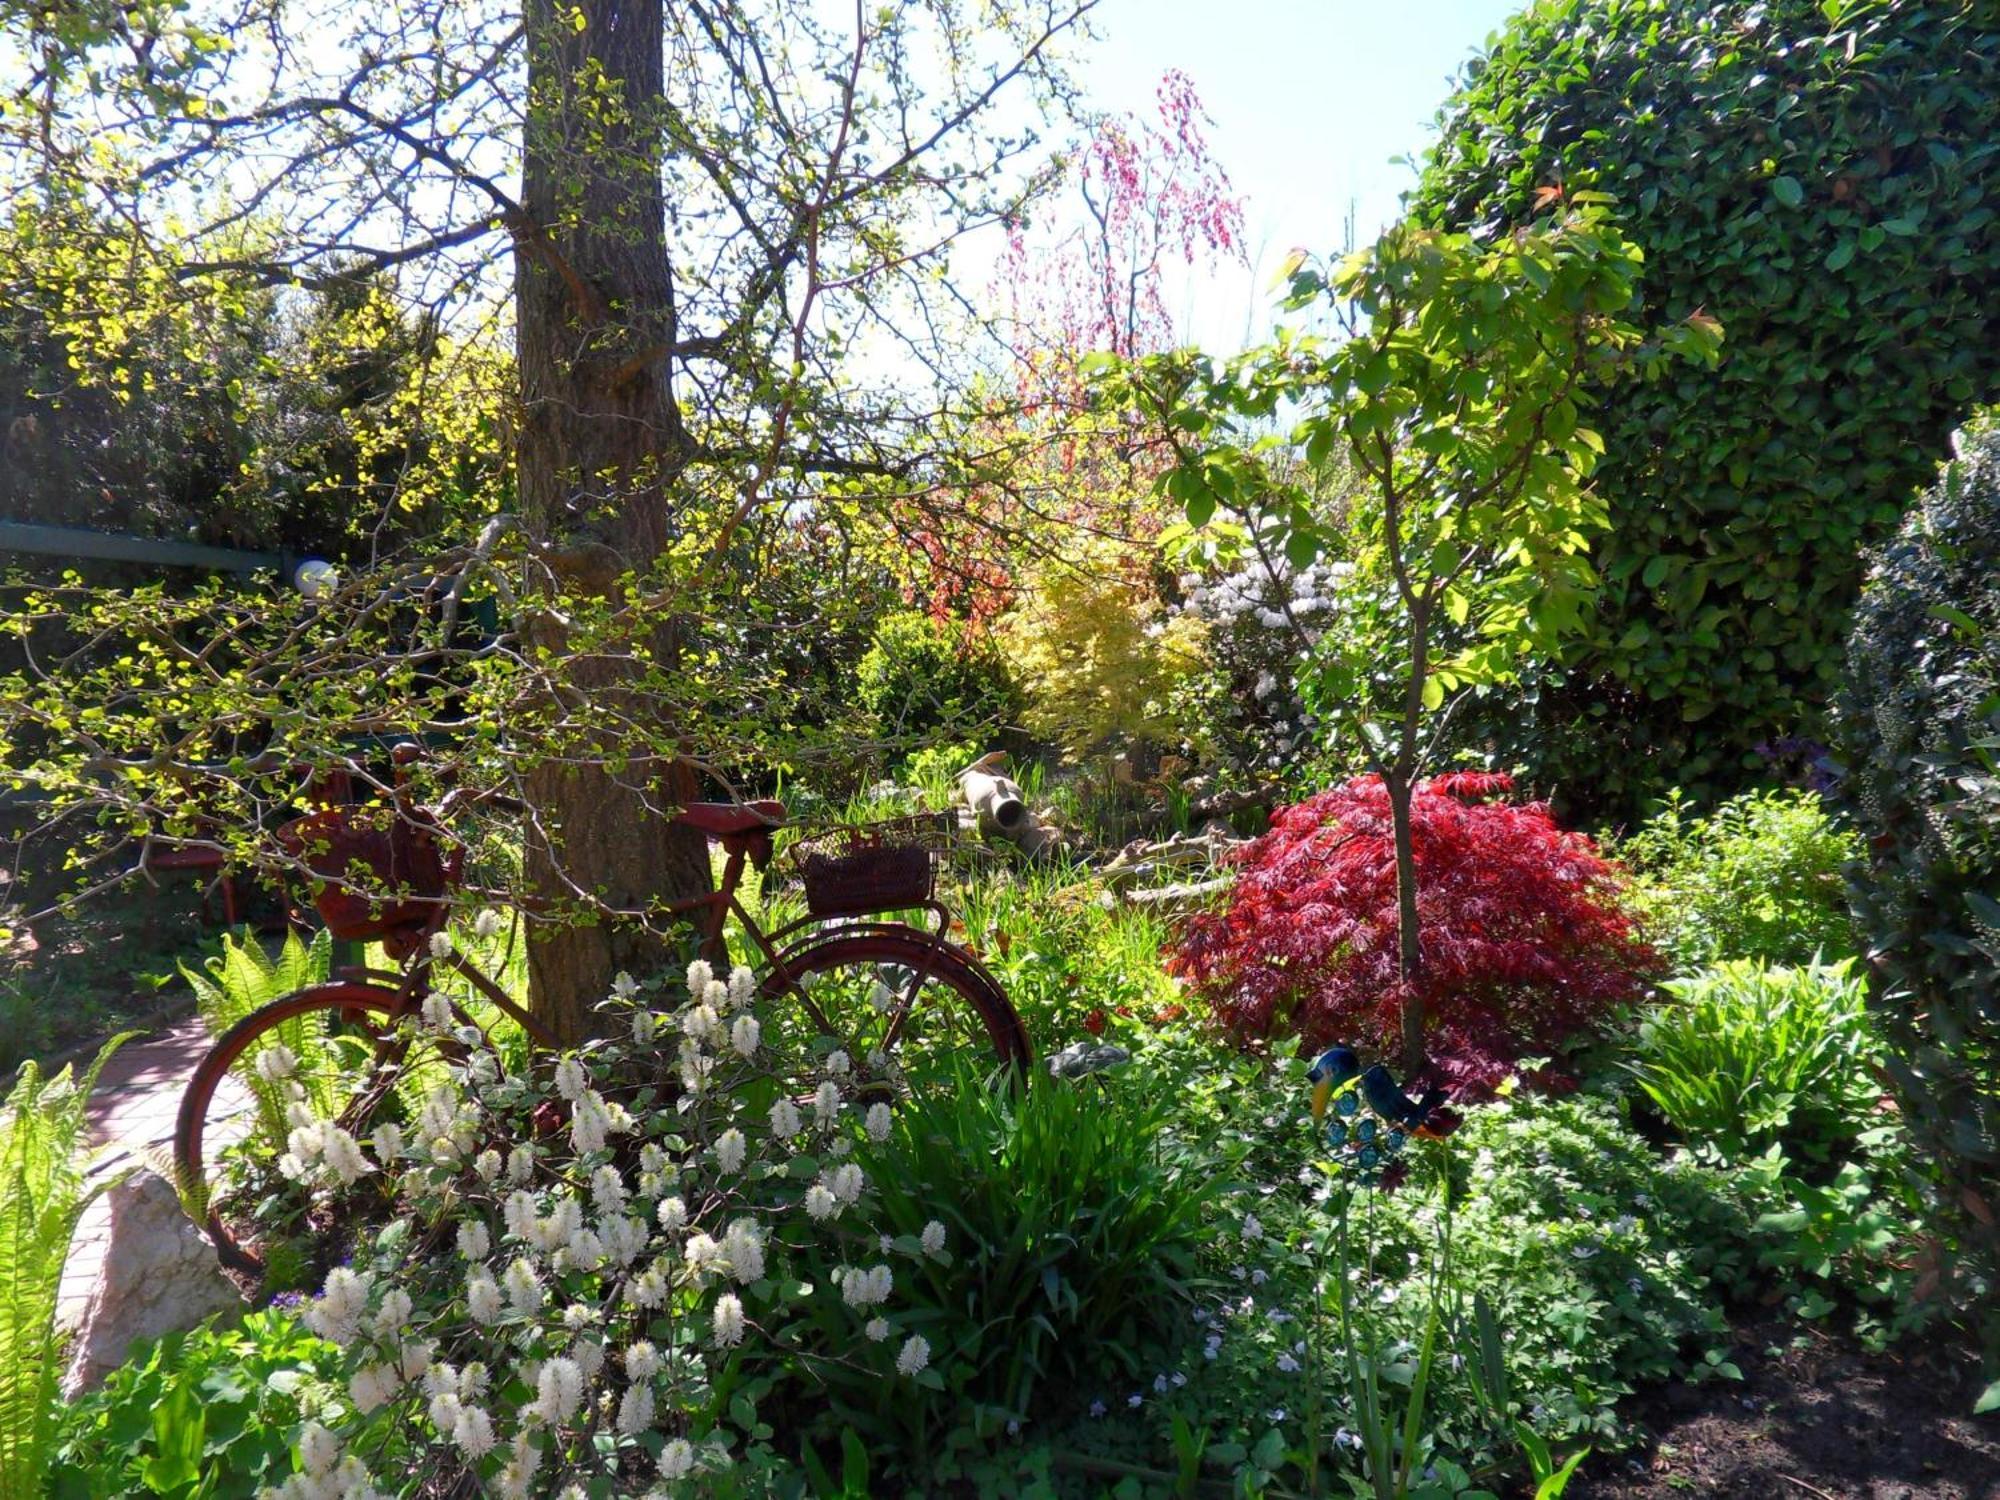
{"x":910,"y":1012}
{"x":345,"y":1052}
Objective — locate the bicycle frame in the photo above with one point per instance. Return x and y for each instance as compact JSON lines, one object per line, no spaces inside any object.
{"x":711,"y":913}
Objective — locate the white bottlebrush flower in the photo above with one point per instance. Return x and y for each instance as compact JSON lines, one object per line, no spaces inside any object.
{"x":393,"y":1315}
{"x":742,"y":987}
{"x":933,"y":1238}
{"x":440,"y":944}
{"x":319,"y":1450}
{"x":558,"y":1390}
{"x":521,"y":1164}
{"x":474,"y":1432}
{"x":277,"y":1062}
{"x":444,"y":1409}
{"x":870,"y":1288}
{"x":820,"y":1202}
{"x":838,"y":1063}
{"x":336,"y":1316}
{"x":677,"y":1459}
{"x":388,"y":1141}
{"x":744,"y":1247}
{"x":342,"y":1154}
{"x":488,"y":1164}
{"x":372,"y":1386}
{"x":642,"y":1360}
{"x":572,"y":1078}
{"x":624,"y":1238}
{"x":730,"y":1150}
{"x":703,"y":1253}
{"x":648,"y":1288}
{"x":916,"y":1353}
{"x":474,"y":1241}
{"x":876,"y":1329}
{"x":437,"y":1011}
{"x":847,"y":1182}
{"x":879,"y":1122}
{"x":728,"y":1320}
{"x":523,"y":1290}
{"x":745,"y":1035}
{"x":699,"y":977}
{"x":482,"y":1297}
{"x":486,"y":926}
{"x":607,"y":1189}
{"x":673,"y":1215}
{"x":583,"y":1251}
{"x":623,"y":986}
{"x":590,"y":1124}
{"x":635,"y":1411}
{"x":826,"y":1103}
{"x":645,"y":1027}
{"x":785,"y":1122}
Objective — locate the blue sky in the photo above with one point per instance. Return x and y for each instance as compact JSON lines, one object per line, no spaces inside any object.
{"x":1310,"y":101}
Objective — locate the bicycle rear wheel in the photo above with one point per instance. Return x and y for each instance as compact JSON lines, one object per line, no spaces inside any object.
{"x":232,"y":1125}
{"x":909,"y":1012}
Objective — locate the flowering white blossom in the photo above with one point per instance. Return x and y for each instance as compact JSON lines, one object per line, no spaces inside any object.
{"x":642,"y":1360}
{"x":699,"y":977}
{"x":440,"y":944}
{"x":635,"y":1411}
{"x":672,"y":1214}
{"x":437,"y":1010}
{"x":933,"y":1238}
{"x":847,"y":1182}
{"x":677,"y":1459}
{"x":728,"y":1320}
{"x":915,"y":1355}
{"x":487,"y":1164}
{"x":393,"y":1315}
{"x":388,"y":1141}
{"x":623,"y":986}
{"x":745,"y":1035}
{"x":521,"y":1164}
{"x":558,"y":1391}
{"x":820,"y":1202}
{"x":336,"y":1316}
{"x":742,"y":986}
{"x":607,"y":1189}
{"x":482,"y":1296}
{"x":870,"y":1288}
{"x":826,"y":1103}
{"x":877,"y":1329}
{"x":474,"y":1242}
{"x":277,"y":1062}
{"x":730,"y":1149}
{"x":743,"y":1245}
{"x":878,"y":1122}
{"x":523,"y":1290}
{"x":372,"y":1386}
{"x":572,"y":1078}
{"x":785,"y":1122}
{"x":486,"y":926}
{"x":838,"y":1063}
{"x":473,"y":1432}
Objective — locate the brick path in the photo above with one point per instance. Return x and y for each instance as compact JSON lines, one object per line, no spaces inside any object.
{"x":138,"y":1095}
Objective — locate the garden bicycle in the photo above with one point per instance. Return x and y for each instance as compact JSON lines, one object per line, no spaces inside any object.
{"x":901,"y":1000}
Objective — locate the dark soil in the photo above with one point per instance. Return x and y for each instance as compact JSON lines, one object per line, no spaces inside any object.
{"x":1812,"y":1417}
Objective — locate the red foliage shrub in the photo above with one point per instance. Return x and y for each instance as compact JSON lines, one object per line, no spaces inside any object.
{"x":1525,"y":941}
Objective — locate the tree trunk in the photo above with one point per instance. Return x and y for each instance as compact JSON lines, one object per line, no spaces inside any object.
{"x":1409,"y":934}
{"x":600,"y":449}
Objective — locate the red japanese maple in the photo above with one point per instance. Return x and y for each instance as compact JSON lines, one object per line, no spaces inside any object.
{"x":1526,"y":942}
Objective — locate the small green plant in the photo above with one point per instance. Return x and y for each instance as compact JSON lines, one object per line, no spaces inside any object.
{"x":1746,"y":1057}
{"x":1073,"y":1220}
{"x":208,"y":1414}
{"x":1760,"y":877}
{"x":43,"y":1194}
{"x":922,"y":675}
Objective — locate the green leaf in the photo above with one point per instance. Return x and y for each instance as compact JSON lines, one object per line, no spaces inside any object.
{"x":1989,"y":1400}
{"x":1838,"y":257}
{"x":1787,"y":191}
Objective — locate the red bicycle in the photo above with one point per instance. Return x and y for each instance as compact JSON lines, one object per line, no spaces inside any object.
{"x":903,"y":1001}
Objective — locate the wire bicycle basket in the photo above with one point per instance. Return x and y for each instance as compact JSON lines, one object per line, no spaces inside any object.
{"x":860,"y":868}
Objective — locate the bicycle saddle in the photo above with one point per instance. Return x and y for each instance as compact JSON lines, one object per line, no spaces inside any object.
{"x":723,"y":819}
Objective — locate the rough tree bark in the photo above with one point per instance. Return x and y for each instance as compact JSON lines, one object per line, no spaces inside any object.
{"x":600,"y":449}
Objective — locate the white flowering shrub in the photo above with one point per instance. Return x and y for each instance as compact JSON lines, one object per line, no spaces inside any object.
{"x":1262,"y":614}
{"x":582,"y":1267}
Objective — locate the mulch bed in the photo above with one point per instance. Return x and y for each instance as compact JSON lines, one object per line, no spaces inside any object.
{"x":1823,"y":1420}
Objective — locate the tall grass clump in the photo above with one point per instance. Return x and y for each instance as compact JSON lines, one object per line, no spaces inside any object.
{"x":42,"y":1197}
{"x":1073,"y":1220}
{"x":1746,"y":1056}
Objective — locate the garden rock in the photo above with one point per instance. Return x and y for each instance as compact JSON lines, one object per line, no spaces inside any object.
{"x":1081,"y":1059}
{"x":159,"y":1275}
